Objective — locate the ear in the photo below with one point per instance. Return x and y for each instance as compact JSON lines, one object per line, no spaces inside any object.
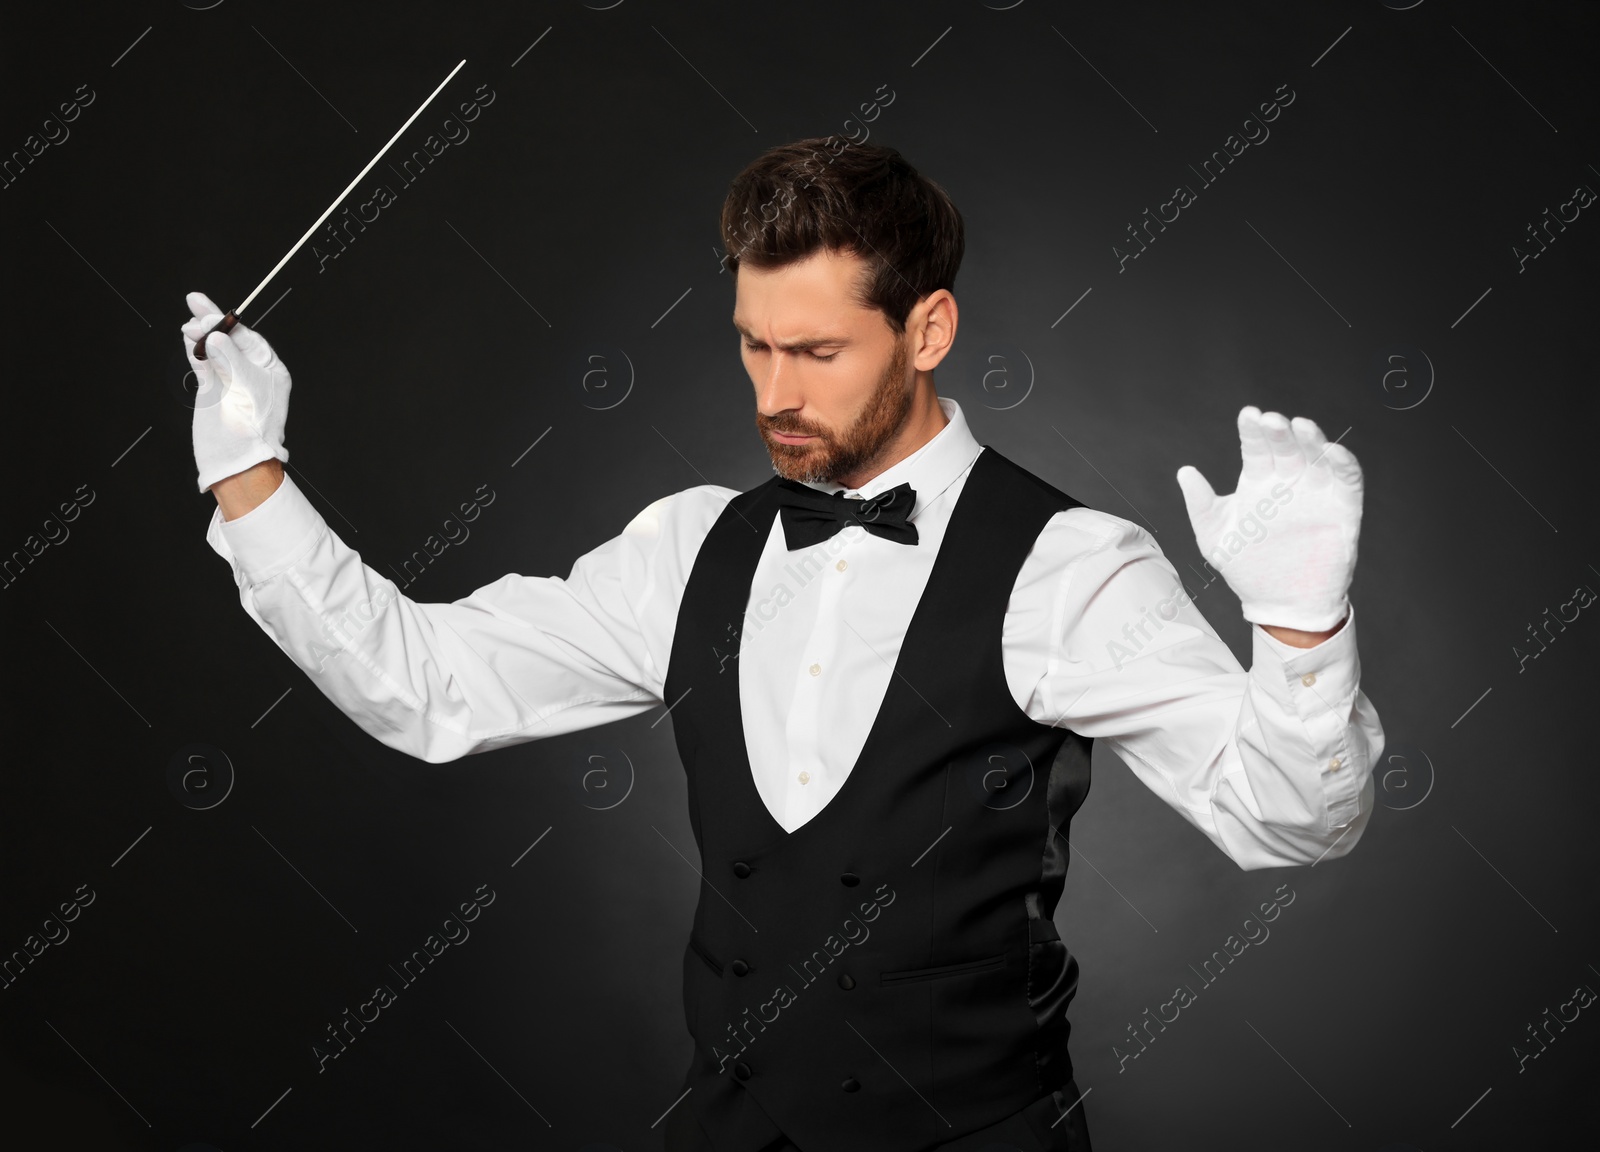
{"x":932,"y":325}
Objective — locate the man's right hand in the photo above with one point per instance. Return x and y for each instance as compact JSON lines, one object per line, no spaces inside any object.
{"x":241,"y":398}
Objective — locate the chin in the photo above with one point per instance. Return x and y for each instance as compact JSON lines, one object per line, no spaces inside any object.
{"x":794,"y":462}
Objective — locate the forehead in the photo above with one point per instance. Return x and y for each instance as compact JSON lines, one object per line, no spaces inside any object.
{"x":819,"y":288}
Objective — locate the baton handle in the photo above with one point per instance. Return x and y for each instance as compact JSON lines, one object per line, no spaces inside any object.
{"x":224,"y":325}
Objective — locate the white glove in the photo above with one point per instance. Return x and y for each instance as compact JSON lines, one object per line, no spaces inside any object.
{"x":1285,"y":540}
{"x":241,"y":396}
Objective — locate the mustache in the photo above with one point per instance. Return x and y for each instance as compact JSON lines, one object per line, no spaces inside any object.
{"x":786,"y":427}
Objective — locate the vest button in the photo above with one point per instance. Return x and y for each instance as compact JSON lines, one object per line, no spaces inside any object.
{"x":851,"y":1084}
{"x":846,"y":981}
{"x":849,"y":879}
{"x":741,"y":869}
{"x":742,"y":1070}
{"x":739,"y":967}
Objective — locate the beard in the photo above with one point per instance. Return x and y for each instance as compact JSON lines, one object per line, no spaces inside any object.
{"x":839,"y":453}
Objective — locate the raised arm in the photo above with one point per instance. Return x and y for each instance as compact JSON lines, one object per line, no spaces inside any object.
{"x":523,"y":658}
{"x":1274,"y":765}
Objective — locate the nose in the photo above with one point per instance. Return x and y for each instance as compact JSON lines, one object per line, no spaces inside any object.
{"x":778,"y":390}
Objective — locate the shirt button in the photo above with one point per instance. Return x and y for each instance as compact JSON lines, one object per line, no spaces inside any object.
{"x":739,"y":968}
{"x":804,"y":777}
{"x":1309,"y":679}
{"x":816,"y":669}
{"x":846,"y":981}
{"x":742,"y":1070}
{"x":841,"y":565}
{"x":741,"y":869}
{"x":850,"y":1084}
{"x":1333,"y":765}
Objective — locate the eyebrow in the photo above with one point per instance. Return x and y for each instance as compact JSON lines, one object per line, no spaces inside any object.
{"x":791,"y":345}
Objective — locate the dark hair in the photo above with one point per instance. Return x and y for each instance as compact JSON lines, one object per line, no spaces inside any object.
{"x":865,"y":199}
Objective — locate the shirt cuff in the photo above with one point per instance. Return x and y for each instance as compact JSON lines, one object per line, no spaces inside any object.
{"x":1319,"y":686}
{"x":266,"y":540}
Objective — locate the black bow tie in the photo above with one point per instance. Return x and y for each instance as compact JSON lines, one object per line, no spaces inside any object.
{"x":811,"y":516}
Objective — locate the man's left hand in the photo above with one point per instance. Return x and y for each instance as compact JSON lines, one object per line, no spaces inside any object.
{"x":1285,"y":539}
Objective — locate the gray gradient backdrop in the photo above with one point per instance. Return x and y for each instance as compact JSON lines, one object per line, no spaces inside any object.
{"x":1360,"y":266}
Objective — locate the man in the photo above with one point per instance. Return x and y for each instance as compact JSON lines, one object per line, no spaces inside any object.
{"x":885,"y":668}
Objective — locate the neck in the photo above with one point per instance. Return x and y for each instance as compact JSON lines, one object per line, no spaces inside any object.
{"x":922,"y":423}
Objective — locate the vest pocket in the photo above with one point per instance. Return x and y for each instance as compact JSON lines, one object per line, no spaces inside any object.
{"x":704,"y":955}
{"x":913,"y":975}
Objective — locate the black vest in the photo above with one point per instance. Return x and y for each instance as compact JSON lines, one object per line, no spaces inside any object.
{"x":887,"y":977}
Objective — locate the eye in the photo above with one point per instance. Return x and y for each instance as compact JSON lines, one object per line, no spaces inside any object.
{"x":813,"y":355}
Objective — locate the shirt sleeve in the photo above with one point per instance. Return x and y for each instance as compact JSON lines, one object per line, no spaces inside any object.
{"x":523,"y":658}
{"x":1274,"y":765}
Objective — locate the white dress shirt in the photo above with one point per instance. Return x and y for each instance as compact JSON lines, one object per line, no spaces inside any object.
{"x":1274,"y":765}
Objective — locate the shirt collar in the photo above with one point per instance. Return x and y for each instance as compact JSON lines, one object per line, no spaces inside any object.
{"x":930,"y":469}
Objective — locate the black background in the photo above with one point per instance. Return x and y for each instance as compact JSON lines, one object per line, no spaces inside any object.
{"x":580,"y":216}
